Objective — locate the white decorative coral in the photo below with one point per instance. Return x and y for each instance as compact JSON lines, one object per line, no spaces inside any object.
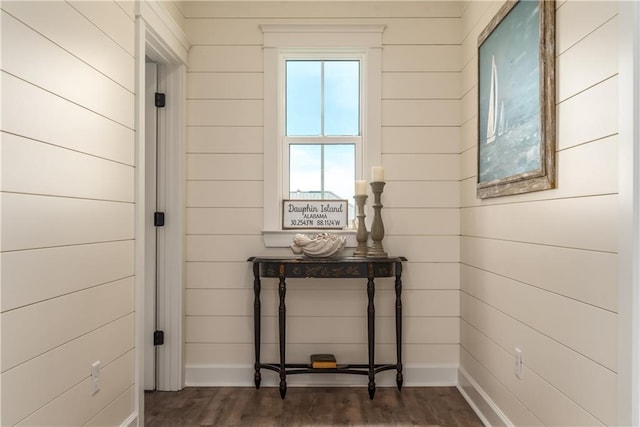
{"x":323,"y":245}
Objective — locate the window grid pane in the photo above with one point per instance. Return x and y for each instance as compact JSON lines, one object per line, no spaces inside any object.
{"x":322,"y":97}
{"x":341,"y":98}
{"x":322,"y":172}
{"x":303,"y":98}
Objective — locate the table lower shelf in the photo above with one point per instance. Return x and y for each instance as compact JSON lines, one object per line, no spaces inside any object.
{"x":356,"y":369}
{"x":302,"y":368}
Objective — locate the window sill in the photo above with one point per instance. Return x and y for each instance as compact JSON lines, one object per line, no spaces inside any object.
{"x":284,"y":238}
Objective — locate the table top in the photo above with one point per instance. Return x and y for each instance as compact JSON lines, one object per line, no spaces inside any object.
{"x":347,"y":267}
{"x":310,"y":260}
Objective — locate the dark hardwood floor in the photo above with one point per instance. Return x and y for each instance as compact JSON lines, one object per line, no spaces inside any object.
{"x":305,"y":406}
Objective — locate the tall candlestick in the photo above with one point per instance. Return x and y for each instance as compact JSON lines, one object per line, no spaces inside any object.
{"x":361,"y":188}
{"x":361,"y":235}
{"x":377,"y":174}
{"x":377,"y":227}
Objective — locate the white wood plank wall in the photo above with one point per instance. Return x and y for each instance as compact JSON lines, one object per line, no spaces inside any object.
{"x":538,"y":271}
{"x":421,"y":146}
{"x":535,"y":271}
{"x":67,"y":195}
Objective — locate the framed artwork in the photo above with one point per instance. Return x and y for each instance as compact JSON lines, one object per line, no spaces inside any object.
{"x":516,"y":100}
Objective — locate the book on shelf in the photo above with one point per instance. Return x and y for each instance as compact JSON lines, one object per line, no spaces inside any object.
{"x":323,"y":361}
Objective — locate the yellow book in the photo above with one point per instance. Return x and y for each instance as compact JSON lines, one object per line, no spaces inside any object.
{"x":323,"y":361}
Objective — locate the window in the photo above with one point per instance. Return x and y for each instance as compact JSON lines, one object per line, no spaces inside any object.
{"x":322,"y":138}
{"x":322,"y":108}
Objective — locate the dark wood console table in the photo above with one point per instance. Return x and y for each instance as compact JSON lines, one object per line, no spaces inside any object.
{"x":350,"y":267}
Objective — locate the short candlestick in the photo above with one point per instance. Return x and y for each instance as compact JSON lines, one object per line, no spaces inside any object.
{"x":361,"y":235}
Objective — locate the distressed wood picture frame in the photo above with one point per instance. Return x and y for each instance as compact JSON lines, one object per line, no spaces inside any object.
{"x":516,"y":100}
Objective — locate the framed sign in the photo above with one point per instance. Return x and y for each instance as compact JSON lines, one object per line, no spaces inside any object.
{"x":516,"y":100}
{"x":314,"y":214}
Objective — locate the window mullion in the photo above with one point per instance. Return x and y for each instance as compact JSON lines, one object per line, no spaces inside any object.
{"x":322,"y":129}
{"x":322,"y":171}
{"x":322,"y":98}
{"x":322,"y":140}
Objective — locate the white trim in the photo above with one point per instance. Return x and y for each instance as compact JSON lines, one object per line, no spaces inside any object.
{"x":365,"y":39}
{"x":325,"y":36}
{"x":272,"y":150}
{"x":163,"y":30}
{"x":629,"y":195}
{"x":241,"y":375}
{"x":158,"y":39}
{"x":283,"y":238}
{"x":140,"y":232}
{"x":374,"y":29}
{"x":150,"y":127}
{"x":171,"y":200}
{"x":131,"y":420}
{"x":488,"y":412}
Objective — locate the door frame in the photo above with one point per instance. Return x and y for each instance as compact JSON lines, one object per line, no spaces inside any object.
{"x":161,"y":39}
{"x":151,"y":233}
{"x":170,"y":238}
{"x":629,"y":202}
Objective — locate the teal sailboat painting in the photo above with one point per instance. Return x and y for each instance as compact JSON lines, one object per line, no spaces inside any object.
{"x":516,"y":100}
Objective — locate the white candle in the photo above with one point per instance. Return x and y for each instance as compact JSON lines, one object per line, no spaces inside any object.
{"x":377,"y":174}
{"x":361,"y":188}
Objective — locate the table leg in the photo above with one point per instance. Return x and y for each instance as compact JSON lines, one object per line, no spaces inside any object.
{"x":399,"y":377}
{"x":282,"y":319}
{"x":371,"y":329}
{"x":257,"y":378}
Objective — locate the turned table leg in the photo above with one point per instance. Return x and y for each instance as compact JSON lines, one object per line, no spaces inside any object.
{"x":399,"y":377}
{"x":257,"y":378}
{"x":282,"y":320}
{"x":371,"y":329}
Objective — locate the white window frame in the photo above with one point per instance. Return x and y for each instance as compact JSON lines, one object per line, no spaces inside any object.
{"x":287,"y":141}
{"x":320,"y":41}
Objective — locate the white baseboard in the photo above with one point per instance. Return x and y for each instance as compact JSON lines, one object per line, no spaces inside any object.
{"x":480,"y":402}
{"x":217,"y":375}
{"x":131,"y":421}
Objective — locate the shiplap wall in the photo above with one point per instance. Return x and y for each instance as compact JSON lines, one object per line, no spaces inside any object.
{"x":67,"y":194}
{"x":539,"y":271}
{"x":421,"y":144}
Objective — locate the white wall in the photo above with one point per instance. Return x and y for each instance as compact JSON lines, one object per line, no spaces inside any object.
{"x":420,"y":139}
{"x":67,"y":212}
{"x":67,"y":145}
{"x":539,"y":271}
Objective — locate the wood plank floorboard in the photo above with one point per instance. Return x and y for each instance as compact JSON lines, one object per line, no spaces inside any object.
{"x":307,"y":406}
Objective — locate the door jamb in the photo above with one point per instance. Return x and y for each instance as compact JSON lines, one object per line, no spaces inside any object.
{"x":629,"y":201}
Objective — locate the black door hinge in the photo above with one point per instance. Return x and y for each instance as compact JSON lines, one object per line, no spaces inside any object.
{"x":158,"y":219}
{"x":160,"y":100}
{"x":158,"y":338}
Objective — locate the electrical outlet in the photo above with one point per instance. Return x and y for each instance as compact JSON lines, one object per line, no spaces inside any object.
{"x":518,"y":363}
{"x":95,"y":377}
